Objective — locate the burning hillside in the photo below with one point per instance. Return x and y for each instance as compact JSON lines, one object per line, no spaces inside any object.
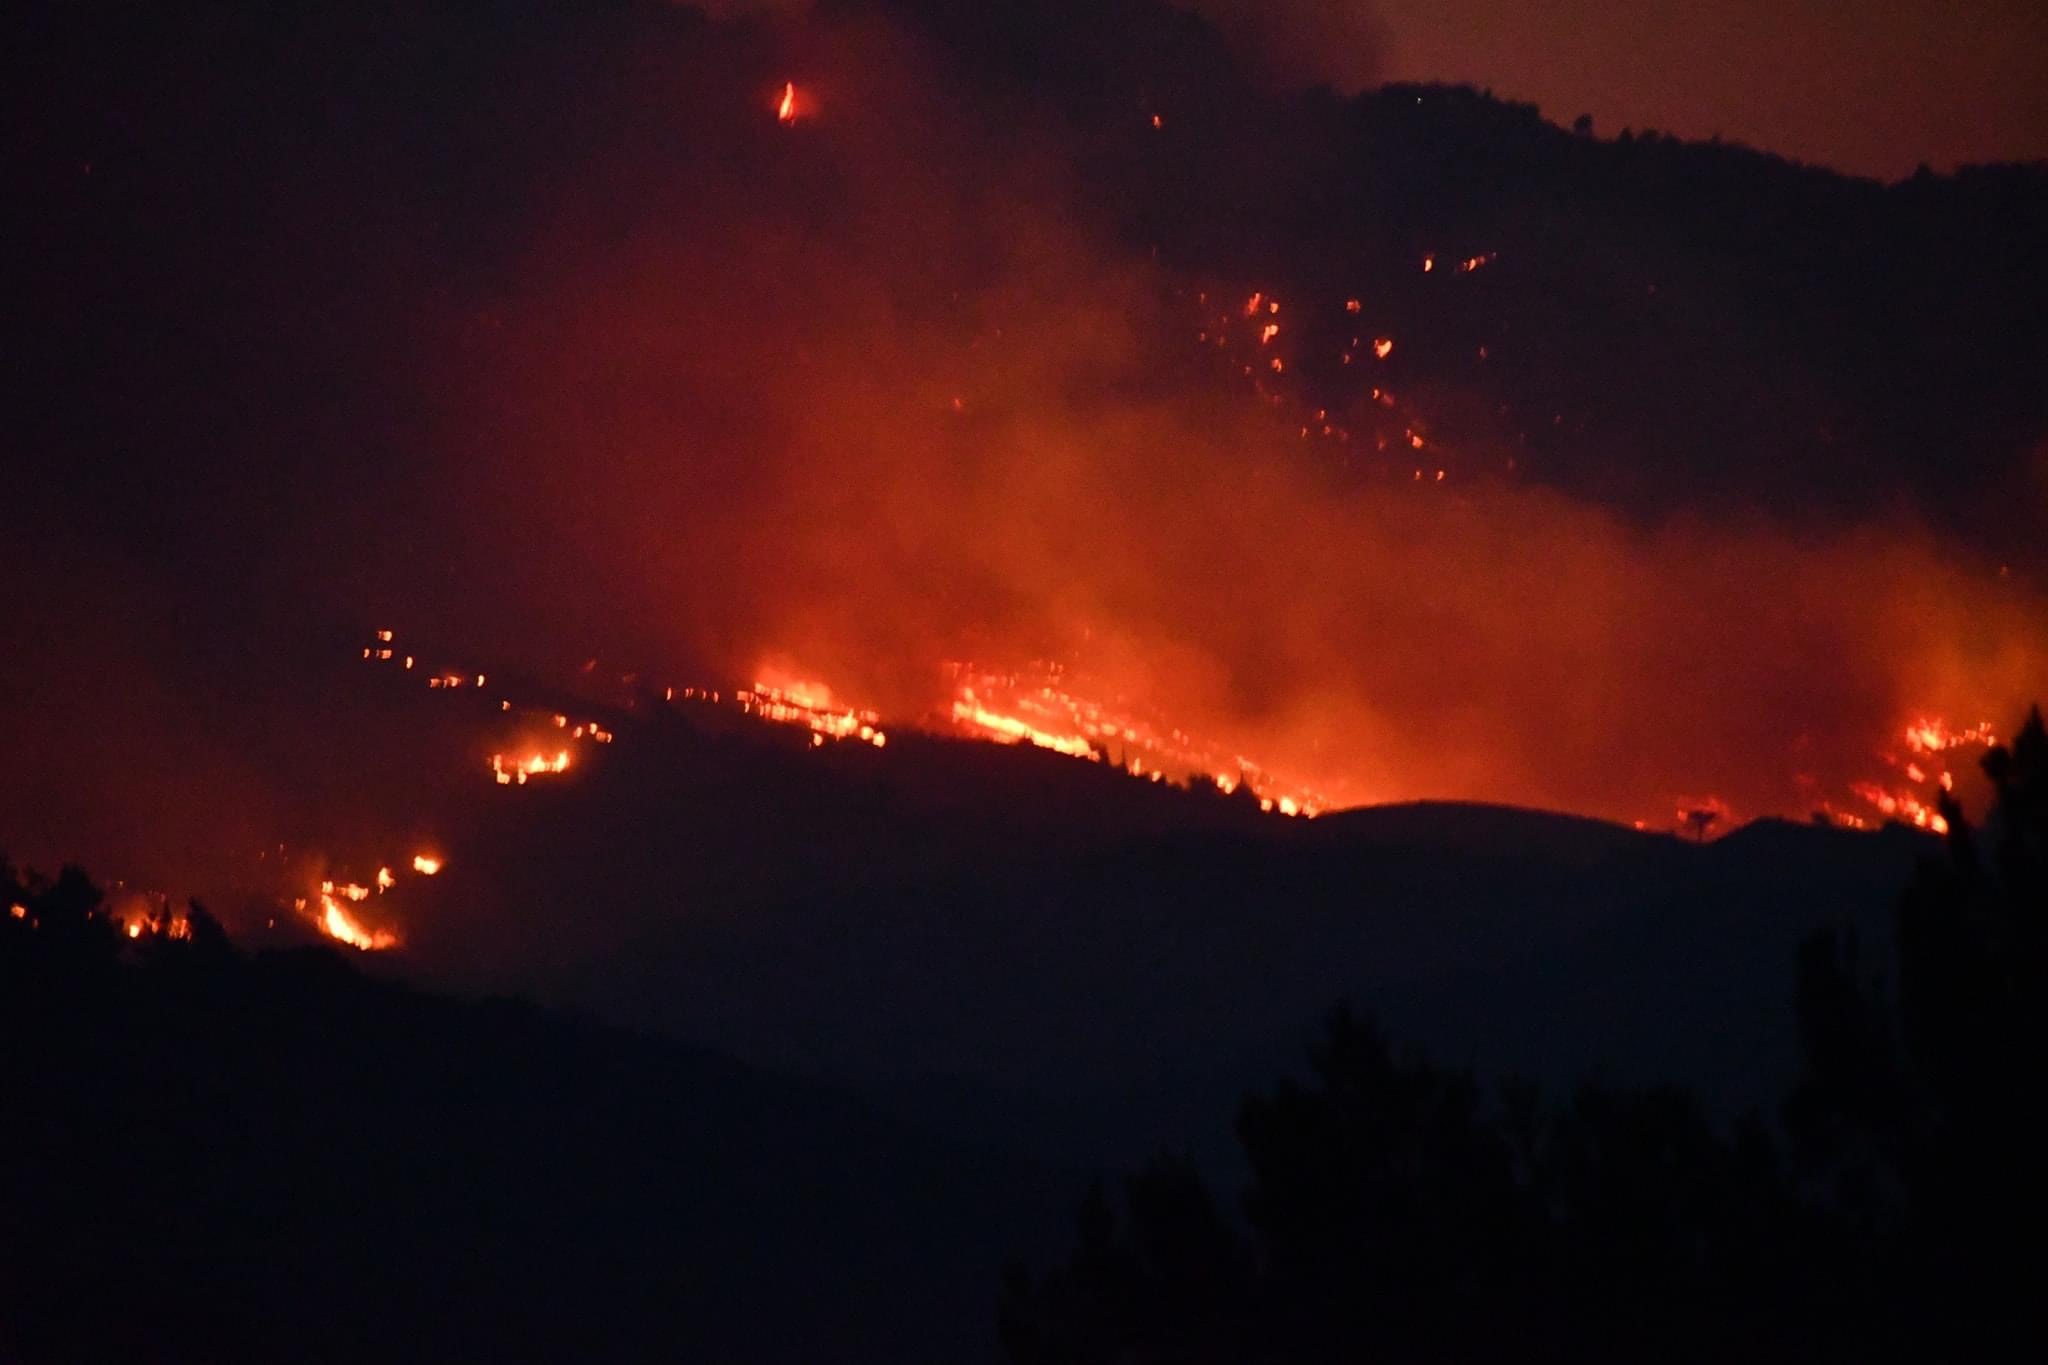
{"x":1144,"y":415}
{"x":1046,"y":706}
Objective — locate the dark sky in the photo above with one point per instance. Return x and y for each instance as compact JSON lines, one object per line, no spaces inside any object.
{"x":1869,"y":89}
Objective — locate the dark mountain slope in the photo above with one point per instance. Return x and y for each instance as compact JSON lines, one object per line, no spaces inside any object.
{"x":281,"y":1159}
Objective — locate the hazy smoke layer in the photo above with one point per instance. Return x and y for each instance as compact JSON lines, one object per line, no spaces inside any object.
{"x":633,"y":370}
{"x":1338,"y":43}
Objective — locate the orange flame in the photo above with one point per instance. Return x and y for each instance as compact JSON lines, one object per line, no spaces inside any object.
{"x":1010,"y":730}
{"x":338,"y":924}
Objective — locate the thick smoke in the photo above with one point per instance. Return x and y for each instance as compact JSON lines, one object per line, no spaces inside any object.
{"x":1338,"y":43}
{"x":740,"y":429}
{"x":683,"y":388}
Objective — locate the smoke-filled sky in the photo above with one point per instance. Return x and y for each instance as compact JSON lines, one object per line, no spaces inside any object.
{"x":539,"y":338}
{"x":1872,"y":90}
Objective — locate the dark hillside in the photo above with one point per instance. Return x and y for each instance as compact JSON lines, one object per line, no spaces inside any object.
{"x":213,"y":1159}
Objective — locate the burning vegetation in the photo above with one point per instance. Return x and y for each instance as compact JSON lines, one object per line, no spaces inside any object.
{"x":1156,"y":422}
{"x":1045,"y":704}
{"x":1058,"y":407}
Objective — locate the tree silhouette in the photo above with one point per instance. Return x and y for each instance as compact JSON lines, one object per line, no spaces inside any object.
{"x":1921,"y":1104}
{"x":1394,"y":1211}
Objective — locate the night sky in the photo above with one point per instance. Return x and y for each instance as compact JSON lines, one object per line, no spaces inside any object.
{"x":1872,"y":90}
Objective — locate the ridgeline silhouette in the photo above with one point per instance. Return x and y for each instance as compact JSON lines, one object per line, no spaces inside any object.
{"x":213,"y":1156}
{"x":1396,"y":1211}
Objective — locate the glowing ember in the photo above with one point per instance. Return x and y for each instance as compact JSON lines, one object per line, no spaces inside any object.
{"x":425,"y":864}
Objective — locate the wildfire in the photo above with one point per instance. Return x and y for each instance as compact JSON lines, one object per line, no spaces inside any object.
{"x":1929,"y":739}
{"x":1902,"y":806}
{"x":518,"y":770}
{"x":332,"y":917}
{"x":1010,"y":729}
{"x":785,"y":111}
{"x":1933,"y":736}
{"x":338,"y":924}
{"x":1006,"y":709}
{"x":147,"y":915}
{"x":1044,"y":711}
{"x":791,"y":701}
{"x":1044,"y":706}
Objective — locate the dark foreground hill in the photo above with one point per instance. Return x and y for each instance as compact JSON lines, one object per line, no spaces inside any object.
{"x":1019,"y":947}
{"x":213,"y":1159}
{"x":1101,"y":1002}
